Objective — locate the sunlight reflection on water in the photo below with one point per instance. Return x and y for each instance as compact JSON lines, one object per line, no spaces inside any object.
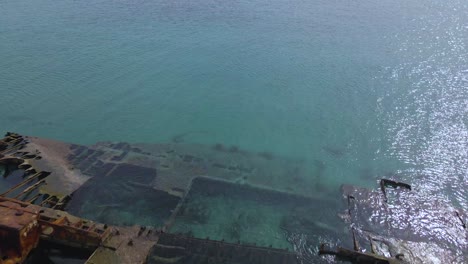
{"x":431,"y":128}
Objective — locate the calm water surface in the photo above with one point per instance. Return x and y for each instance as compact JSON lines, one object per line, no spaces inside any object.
{"x":368,"y":88}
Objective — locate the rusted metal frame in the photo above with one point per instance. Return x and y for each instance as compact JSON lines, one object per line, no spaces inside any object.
{"x":19,"y":241}
{"x":371,"y":241}
{"x":13,"y":138}
{"x":457,"y":214}
{"x":48,"y":200}
{"x":6,"y":199}
{"x":8,"y":159}
{"x":61,"y":202}
{"x":356,"y":256}
{"x":21,"y":209}
{"x":28,"y":155}
{"x":90,"y":228}
{"x":33,"y":199}
{"x":50,"y":220}
{"x":30,"y":189}
{"x":30,"y":178}
{"x":63,"y":231}
{"x":394,"y":184}
{"x":384,"y":183}
{"x":12,"y":135}
{"x":64,"y":223}
{"x":14,"y":147}
{"x":355,"y":242}
{"x":398,"y":256}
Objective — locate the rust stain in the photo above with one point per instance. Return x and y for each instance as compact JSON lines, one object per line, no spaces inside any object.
{"x":22,"y":225}
{"x":19,"y":233}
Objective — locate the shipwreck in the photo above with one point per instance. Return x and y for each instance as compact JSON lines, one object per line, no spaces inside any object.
{"x":115,"y":202}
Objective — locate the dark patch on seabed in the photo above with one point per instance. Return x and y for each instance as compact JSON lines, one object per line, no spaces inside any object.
{"x":124,"y":197}
{"x":230,"y":209}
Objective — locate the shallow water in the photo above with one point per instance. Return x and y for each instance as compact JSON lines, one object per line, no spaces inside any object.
{"x":242,"y":214}
{"x":358,"y":89}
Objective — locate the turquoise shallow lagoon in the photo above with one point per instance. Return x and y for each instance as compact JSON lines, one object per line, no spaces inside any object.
{"x":365,"y":88}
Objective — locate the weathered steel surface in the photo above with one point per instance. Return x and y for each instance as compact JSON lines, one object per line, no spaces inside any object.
{"x":21,"y":224}
{"x":19,"y":232}
{"x":26,"y":208}
{"x":125,"y":245}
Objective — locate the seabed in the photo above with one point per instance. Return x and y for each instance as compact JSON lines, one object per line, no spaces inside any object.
{"x":187,"y":203}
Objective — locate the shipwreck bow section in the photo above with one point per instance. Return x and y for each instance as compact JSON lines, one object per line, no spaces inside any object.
{"x":183,"y":203}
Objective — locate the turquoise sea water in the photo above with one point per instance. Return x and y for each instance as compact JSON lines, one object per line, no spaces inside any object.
{"x":368,"y":88}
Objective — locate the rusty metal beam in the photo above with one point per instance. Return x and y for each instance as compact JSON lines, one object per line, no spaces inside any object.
{"x":23,"y":224}
{"x":357,"y":257}
{"x":33,"y":199}
{"x":21,"y":184}
{"x":30,"y":188}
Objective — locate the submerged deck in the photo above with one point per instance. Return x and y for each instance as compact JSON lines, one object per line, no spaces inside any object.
{"x":180,"y":203}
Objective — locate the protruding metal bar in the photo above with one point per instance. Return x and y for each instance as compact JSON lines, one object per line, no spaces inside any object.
{"x":30,"y":178}
{"x":30,"y":188}
{"x":32,"y":200}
